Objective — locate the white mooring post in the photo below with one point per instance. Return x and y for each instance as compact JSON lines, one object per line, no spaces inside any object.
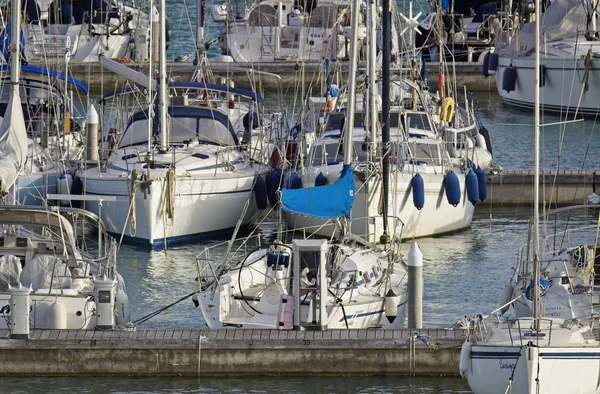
{"x":415,"y":287}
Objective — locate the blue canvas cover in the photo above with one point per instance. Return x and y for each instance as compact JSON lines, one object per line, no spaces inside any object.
{"x":325,"y":202}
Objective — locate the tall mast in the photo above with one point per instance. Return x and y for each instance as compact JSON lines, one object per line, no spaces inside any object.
{"x":349,"y":124}
{"x":536,"y":173}
{"x":15,"y":59}
{"x":201,"y":4}
{"x":162,"y":76}
{"x":385,"y":112}
{"x":372,"y":76}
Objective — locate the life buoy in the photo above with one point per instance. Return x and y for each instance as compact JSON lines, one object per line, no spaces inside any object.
{"x":447,"y":110}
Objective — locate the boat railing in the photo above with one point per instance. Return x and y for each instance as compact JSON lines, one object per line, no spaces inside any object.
{"x":534,"y":331}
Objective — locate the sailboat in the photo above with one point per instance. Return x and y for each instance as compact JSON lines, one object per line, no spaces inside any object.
{"x":310,"y":283}
{"x":182,"y":173}
{"x":432,"y":180}
{"x":534,"y":354}
{"x":65,"y":272}
{"x":570,"y":75}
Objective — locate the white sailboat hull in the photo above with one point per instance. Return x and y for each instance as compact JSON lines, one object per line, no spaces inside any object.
{"x":563,"y":90}
{"x":492,"y":366}
{"x":202,"y":206}
{"x":436,"y":217}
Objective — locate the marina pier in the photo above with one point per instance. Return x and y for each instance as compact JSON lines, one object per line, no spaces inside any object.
{"x":467,"y":73}
{"x":515,"y":187}
{"x":175,"y":352}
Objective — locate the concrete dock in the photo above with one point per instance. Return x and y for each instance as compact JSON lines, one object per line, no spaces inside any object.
{"x":433,"y":352}
{"x":101,"y":80}
{"x":565,"y":188}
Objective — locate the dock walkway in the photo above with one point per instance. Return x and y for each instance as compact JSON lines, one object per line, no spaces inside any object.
{"x":177,"y":352}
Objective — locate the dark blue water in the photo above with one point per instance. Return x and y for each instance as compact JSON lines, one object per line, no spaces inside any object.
{"x":365,"y":385}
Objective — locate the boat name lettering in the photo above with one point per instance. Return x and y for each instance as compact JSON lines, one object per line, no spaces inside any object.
{"x":316,"y":35}
{"x":506,"y":365}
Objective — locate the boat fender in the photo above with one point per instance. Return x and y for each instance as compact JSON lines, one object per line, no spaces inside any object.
{"x":493,"y":64}
{"x":472,"y":185}
{"x":447,"y":111}
{"x":273,"y":184}
{"x":485,"y":65}
{"x":486,"y":135}
{"x":56,"y":317}
{"x":293,"y":181}
{"x":260,"y":193}
{"x":465,"y":359}
{"x":321,"y":180}
{"x":542,"y":75}
{"x":505,"y":297}
{"x":452,"y":188}
{"x":418,"y":191}
{"x":481,"y":181}
{"x":509,"y":79}
{"x":391,"y":305}
{"x":122,"y":307}
{"x":480,"y":141}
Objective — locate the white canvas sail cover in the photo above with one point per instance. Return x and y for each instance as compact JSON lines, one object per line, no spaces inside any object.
{"x":562,"y":19}
{"x":13,"y":142}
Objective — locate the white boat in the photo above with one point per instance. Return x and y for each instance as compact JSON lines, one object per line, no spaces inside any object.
{"x":272,"y":30}
{"x":533,"y":354}
{"x":570,"y":78}
{"x":80,"y":31}
{"x":568,"y":267}
{"x":181,"y":174}
{"x":200,"y":184}
{"x":54,"y":132}
{"x":71,"y":282}
{"x":417,"y":208}
{"x":310,"y":283}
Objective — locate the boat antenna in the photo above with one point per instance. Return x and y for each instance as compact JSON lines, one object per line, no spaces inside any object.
{"x":385,"y":114}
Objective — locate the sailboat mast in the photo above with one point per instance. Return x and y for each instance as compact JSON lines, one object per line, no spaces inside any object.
{"x":536,"y":172}
{"x":385,"y":112}
{"x":15,"y":59}
{"x":162,"y":75}
{"x":349,"y":124}
{"x":201,"y":4}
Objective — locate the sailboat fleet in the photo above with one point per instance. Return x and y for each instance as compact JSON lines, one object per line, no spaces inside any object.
{"x":373,"y":163}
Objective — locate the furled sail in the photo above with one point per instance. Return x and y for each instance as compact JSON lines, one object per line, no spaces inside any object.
{"x":13,"y":141}
{"x":325,"y":202}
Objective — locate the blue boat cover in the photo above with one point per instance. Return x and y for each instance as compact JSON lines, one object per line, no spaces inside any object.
{"x":325,"y":202}
{"x":49,"y":73}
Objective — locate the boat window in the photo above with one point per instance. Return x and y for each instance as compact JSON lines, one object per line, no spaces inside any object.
{"x":333,"y":154}
{"x":263,"y":15}
{"x":323,"y":16}
{"x":334,"y":121}
{"x":418,"y":121}
{"x":420,"y":153}
{"x":185,"y":124}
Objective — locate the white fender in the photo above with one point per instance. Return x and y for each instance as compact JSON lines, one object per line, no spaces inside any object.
{"x":505,"y":298}
{"x":465,"y":359}
{"x":480,"y":141}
